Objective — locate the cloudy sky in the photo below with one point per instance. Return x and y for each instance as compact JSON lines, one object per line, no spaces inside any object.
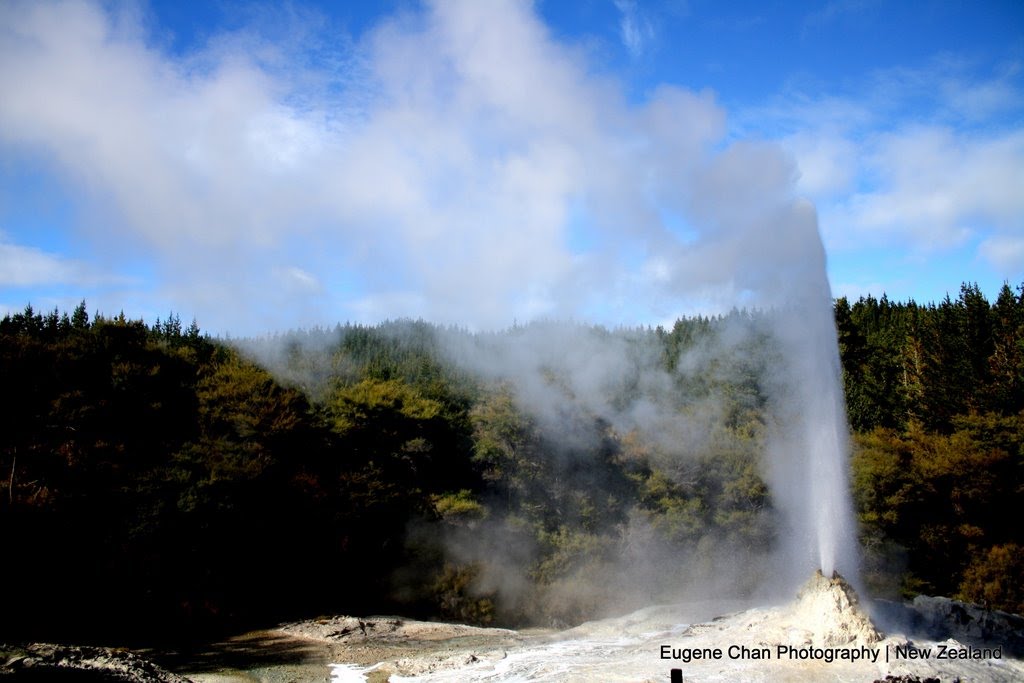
{"x":492,"y":161}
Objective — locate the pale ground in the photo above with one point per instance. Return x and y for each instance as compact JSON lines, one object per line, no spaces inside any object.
{"x":825,"y":615}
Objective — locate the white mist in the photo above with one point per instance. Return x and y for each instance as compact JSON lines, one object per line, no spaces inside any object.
{"x":808,"y":448}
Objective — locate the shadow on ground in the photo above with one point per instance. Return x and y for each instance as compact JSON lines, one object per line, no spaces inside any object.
{"x":255,"y":650}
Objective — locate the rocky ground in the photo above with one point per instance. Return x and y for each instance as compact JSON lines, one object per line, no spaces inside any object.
{"x":51,"y":662}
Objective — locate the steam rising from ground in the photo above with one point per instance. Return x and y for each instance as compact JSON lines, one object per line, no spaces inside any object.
{"x":458,"y":164}
{"x":789,"y":349}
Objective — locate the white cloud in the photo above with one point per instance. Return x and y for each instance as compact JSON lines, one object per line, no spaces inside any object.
{"x":827,"y":162}
{"x":635,"y":29}
{"x":940,"y":187}
{"x":1004,"y":252}
{"x":439,"y":162}
{"x":297,"y":280}
{"x":930,"y":190}
{"x":948,"y":91}
{"x":916,"y":161}
{"x":22,"y":266}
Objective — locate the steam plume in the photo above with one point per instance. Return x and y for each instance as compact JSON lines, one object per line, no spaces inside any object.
{"x":458,"y":164}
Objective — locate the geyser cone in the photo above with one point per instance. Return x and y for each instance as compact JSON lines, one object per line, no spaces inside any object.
{"x":829,"y":610}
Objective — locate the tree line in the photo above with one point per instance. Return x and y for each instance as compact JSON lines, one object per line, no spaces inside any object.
{"x":160,"y":481}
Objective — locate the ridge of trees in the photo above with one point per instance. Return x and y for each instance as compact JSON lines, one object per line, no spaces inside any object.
{"x":156,"y":476}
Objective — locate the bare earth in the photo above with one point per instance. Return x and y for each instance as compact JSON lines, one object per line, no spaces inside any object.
{"x":823,"y":635}
{"x":306,"y":651}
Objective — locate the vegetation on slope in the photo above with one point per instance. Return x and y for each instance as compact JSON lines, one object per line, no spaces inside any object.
{"x":159,"y":480}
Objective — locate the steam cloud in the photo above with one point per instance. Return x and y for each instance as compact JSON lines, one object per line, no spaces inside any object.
{"x":458,"y":164}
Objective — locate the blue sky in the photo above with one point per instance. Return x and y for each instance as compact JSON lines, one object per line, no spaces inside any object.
{"x":261,"y":167}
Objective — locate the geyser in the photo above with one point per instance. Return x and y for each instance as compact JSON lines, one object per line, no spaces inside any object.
{"x":809,"y":445}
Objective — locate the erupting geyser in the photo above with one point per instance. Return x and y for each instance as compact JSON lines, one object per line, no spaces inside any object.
{"x":809,"y":449}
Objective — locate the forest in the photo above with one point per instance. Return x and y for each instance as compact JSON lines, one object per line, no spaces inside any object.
{"x":158,"y":481}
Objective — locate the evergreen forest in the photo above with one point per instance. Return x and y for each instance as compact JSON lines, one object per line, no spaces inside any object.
{"x":158,"y":481}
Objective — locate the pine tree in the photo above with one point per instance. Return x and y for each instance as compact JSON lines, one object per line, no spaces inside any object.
{"x":80,"y":318}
